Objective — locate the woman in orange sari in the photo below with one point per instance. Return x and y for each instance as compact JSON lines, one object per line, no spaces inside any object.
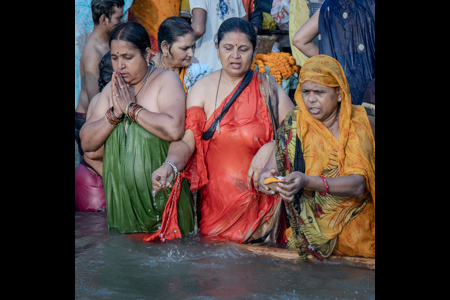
{"x":327,"y":155}
{"x":228,"y":153}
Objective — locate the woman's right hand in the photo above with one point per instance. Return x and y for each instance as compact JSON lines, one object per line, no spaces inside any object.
{"x":264,"y":188}
{"x":162,"y":177}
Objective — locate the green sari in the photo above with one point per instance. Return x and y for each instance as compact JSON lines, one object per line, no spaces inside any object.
{"x":129,"y":161}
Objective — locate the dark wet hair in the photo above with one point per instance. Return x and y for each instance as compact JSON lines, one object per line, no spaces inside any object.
{"x":106,"y":70}
{"x":234,"y":24}
{"x":104,"y":7}
{"x":171,"y":29}
{"x":133,"y":33}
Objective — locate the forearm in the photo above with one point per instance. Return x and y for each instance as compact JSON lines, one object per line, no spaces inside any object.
{"x":179,"y":154}
{"x":272,"y":162}
{"x":345,"y":186}
{"x":93,"y":135}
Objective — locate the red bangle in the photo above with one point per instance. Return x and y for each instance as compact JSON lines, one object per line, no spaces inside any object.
{"x":326,"y":186}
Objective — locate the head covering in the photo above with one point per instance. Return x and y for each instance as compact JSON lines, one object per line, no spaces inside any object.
{"x":355,"y":149}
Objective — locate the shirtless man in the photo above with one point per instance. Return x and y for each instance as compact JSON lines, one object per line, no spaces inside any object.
{"x":106,"y":14}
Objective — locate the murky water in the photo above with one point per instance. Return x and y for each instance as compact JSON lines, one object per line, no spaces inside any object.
{"x":118,"y":266}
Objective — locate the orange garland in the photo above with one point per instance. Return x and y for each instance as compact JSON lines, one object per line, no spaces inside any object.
{"x":282,"y":65}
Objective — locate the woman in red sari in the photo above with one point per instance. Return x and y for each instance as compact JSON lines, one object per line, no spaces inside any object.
{"x":225,"y":168}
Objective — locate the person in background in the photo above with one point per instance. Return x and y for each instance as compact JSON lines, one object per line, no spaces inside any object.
{"x":139,"y":113}
{"x":207,"y":16}
{"x":106,"y":14}
{"x":151,"y":13}
{"x":254,"y":13}
{"x":346,"y":30}
{"x":176,"y":45}
{"x":89,"y":192}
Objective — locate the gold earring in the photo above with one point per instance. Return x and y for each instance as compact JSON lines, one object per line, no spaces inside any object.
{"x":165,"y":54}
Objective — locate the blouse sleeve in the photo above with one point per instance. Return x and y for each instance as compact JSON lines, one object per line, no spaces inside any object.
{"x":196,"y":171}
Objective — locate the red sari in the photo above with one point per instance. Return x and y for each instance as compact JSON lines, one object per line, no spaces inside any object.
{"x":230,"y":210}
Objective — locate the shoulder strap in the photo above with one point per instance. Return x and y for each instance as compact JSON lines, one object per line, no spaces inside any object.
{"x":211,"y":130}
{"x":269,"y":92}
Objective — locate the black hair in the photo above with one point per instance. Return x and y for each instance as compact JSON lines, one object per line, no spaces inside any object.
{"x":233,"y":24}
{"x":133,"y":33}
{"x":106,"y":70}
{"x":104,"y":7}
{"x":171,"y":29}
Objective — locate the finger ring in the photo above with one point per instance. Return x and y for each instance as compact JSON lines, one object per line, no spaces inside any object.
{"x":122,"y":87}
{"x":117,"y":96}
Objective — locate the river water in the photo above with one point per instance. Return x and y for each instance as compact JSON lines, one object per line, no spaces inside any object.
{"x":121,"y":266}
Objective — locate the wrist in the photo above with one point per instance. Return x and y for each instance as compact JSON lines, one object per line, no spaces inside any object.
{"x":173,"y":167}
{"x":111,"y":118}
{"x":325,"y":182}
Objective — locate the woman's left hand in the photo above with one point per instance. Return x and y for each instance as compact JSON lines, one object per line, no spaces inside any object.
{"x":259,"y":161}
{"x":119,"y":87}
{"x":288,"y":191}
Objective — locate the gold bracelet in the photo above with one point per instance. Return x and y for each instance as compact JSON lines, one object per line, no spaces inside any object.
{"x":136,"y":114}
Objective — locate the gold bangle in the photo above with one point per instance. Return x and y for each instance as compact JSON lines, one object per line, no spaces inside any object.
{"x":136,"y":114}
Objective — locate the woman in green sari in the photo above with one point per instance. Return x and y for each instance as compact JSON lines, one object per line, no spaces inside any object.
{"x":138,"y":114}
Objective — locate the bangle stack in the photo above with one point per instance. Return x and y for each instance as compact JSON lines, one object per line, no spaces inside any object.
{"x":132,"y":111}
{"x":111,"y":117}
{"x":173,"y":167}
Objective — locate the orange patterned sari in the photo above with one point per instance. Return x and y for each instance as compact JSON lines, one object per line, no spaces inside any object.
{"x":346,"y":225}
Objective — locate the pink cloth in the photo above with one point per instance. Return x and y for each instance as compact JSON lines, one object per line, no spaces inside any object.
{"x":89,"y":192}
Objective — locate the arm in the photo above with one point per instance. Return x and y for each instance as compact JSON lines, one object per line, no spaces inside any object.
{"x":168,"y":123}
{"x":96,"y":130}
{"x":265,"y":153}
{"x":303,"y":39}
{"x":92,"y":73}
{"x":179,"y":154}
{"x":344,"y":186}
{"x":198,"y":22}
{"x":179,"y":151}
{"x":96,"y":155}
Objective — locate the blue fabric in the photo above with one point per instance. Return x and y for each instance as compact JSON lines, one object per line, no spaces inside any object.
{"x":347,"y":33}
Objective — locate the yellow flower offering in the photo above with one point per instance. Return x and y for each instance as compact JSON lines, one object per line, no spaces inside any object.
{"x":282,"y":65}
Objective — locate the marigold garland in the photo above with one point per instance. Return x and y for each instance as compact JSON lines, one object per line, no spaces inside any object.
{"x":282,"y":65}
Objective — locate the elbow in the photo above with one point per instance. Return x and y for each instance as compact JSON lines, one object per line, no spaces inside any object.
{"x":198,"y":32}
{"x":87,"y":148}
{"x":360,"y":189}
{"x":176,"y":135}
{"x":296,"y":43}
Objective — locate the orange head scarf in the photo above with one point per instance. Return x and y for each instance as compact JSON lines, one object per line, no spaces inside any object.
{"x":355,"y":148}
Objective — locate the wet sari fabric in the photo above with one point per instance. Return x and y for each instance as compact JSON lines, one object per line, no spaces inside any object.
{"x":129,"y":160}
{"x":218,"y":168}
{"x":323,"y":218}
